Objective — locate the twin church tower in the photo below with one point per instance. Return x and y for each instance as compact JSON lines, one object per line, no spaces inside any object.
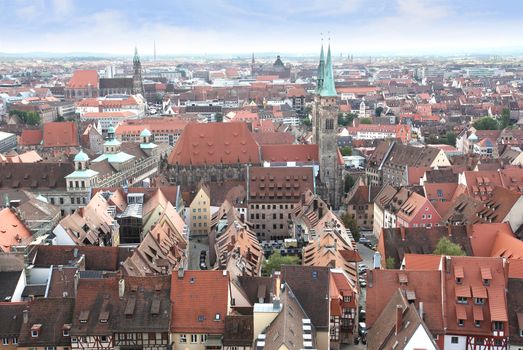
{"x":324,"y":127}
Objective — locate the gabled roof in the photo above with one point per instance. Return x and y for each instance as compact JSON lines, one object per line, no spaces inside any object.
{"x":96,"y":258}
{"x":196,"y":308}
{"x":11,"y":317}
{"x":384,"y":333}
{"x":12,"y":230}
{"x":215,"y":143}
{"x":310,"y":285}
{"x":50,"y":330}
{"x":81,"y":79}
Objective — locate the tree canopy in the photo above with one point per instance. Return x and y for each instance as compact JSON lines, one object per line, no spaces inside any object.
{"x":345,"y":119}
{"x":504,"y":121}
{"x":446,"y":247}
{"x":486,"y":123}
{"x":346,"y":151}
{"x":276,"y":260}
{"x":28,"y":118}
{"x":348,"y":183}
{"x":378,"y":111}
{"x":365,"y":121}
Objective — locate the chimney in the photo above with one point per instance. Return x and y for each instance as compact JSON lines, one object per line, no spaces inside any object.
{"x":26,"y":315}
{"x":399,"y":318}
{"x":277,"y":282}
{"x":181,"y":272}
{"x":421,"y":310}
{"x":76,"y":280}
{"x":449,"y":230}
{"x":276,"y":303}
{"x":402,"y":231}
{"x":121,"y":288}
{"x":448,"y":262}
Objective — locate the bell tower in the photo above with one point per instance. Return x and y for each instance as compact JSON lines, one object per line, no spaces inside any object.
{"x":137,"y":74}
{"x":325,"y":126}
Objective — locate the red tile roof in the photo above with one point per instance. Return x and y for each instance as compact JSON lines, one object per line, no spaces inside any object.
{"x":60,"y":134}
{"x":30,"y":137}
{"x":82,"y":78}
{"x":280,"y":184}
{"x":215,"y":143}
{"x":274,"y":138}
{"x":197,"y":299}
{"x":290,"y":153}
{"x":12,"y":230}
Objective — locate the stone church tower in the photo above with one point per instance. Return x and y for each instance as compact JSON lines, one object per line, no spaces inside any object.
{"x":137,"y":75}
{"x":325,"y":126}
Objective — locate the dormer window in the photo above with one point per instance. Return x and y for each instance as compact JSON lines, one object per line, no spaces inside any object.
{"x":459,"y":280}
{"x":477,"y":323}
{"x":66,"y":330}
{"x":479,"y":301}
{"x":462,"y":300}
{"x":217,"y":317}
{"x":461,"y":323}
{"x":35,"y":330}
{"x":486,"y":282}
{"x":346,"y":299}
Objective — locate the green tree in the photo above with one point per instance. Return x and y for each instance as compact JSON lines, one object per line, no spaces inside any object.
{"x":218,"y":117}
{"x":348,"y":183}
{"x":365,"y":121}
{"x":306,"y":121}
{"x":450,"y":138}
{"x":276,"y":260}
{"x":352,"y":225}
{"x":390,"y":263}
{"x":505,"y":118}
{"x":346,"y":151}
{"x":378,"y":111}
{"x":27,"y":118}
{"x":345,"y":119}
{"x":59,"y":119}
{"x":446,"y":247}
{"x":486,"y":123}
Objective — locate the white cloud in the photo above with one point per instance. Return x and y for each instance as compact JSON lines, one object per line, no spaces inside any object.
{"x":62,"y":7}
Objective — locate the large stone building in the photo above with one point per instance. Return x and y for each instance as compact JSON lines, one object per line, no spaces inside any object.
{"x":212,"y":153}
{"x":325,"y":125}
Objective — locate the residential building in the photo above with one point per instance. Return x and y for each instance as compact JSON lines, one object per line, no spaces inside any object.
{"x":200,"y":211}
{"x":199,"y":312}
{"x":7,"y":141}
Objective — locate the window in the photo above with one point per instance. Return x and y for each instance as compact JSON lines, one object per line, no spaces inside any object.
{"x":329,"y":124}
{"x":486,"y":282}
{"x":346,"y":299}
{"x":454,"y":340}
{"x":104,"y":338}
{"x":217,"y":317}
{"x":461,"y":323}
{"x":65,"y":332}
{"x":183,"y":338}
{"x":5,"y":341}
{"x":15,"y":341}
{"x":49,"y":348}
{"x":479,"y":301}
{"x":498,"y":326}
{"x":74,"y":339}
{"x":520,"y":333}
{"x":462,"y":300}
{"x":458,"y":280}
{"x":194,"y":338}
{"x":34,"y":334}
{"x":477,"y":323}
{"x":429,"y":216}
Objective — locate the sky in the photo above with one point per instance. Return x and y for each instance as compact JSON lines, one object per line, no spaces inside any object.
{"x":241,"y":27}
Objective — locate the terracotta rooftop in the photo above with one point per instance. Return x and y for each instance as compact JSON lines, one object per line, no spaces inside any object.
{"x":215,"y":143}
{"x":290,"y":153}
{"x":12,"y":230}
{"x":31,"y":137}
{"x":81,"y":79}
{"x":60,"y":134}
{"x":196,"y":308}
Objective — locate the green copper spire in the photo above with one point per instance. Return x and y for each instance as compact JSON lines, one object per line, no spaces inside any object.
{"x":321,"y":69}
{"x":328,"y":89}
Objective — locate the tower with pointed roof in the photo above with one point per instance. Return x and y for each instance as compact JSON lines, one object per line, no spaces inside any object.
{"x":137,"y":74}
{"x":325,"y":125}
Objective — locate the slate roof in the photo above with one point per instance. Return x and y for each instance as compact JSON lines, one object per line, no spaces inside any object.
{"x":115,"y":83}
{"x":34,"y":175}
{"x":280,"y":184}
{"x":310,"y":285}
{"x":96,"y":258}
{"x":11,"y":319}
{"x":51,"y":331}
{"x":515,"y":310}
{"x":421,"y":240}
{"x":8,"y":282}
{"x":238,"y":331}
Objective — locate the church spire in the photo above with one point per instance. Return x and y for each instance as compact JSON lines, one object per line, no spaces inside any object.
{"x":328,"y":89}
{"x":321,"y":69}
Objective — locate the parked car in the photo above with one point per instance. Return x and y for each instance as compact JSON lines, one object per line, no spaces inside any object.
{"x":363,"y":282}
{"x":364,"y":240}
{"x":362,"y":268}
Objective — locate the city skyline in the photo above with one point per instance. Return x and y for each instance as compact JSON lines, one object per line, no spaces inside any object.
{"x":391,"y":27}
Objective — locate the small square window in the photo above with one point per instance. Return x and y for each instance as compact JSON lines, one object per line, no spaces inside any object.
{"x":454,"y":340}
{"x":477,"y":323}
{"x":461,"y":323}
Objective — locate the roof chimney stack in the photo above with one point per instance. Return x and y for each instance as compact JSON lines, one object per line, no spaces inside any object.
{"x":399,"y":318}
{"x":26,"y":315}
{"x":181,"y":272}
{"x":421,"y":310}
{"x":376,"y":259}
{"x":121,"y":288}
